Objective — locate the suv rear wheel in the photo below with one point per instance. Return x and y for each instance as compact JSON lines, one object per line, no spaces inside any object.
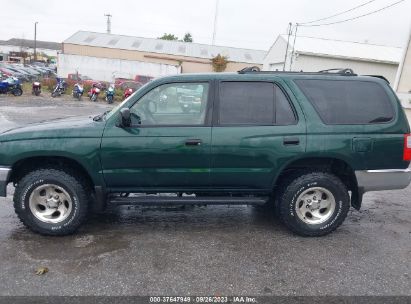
{"x":51,"y":201}
{"x":314,"y":204}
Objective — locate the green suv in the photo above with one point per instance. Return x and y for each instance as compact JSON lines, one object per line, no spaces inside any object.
{"x":307,"y":144}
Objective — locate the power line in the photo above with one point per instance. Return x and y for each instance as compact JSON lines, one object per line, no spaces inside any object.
{"x":339,"y":14}
{"x":354,"y":18}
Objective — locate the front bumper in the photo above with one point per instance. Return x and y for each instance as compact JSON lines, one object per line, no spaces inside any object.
{"x":376,"y":180}
{"x":4,"y":180}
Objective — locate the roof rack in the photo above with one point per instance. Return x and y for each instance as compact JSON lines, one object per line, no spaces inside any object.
{"x":379,"y":76}
{"x":341,"y":72}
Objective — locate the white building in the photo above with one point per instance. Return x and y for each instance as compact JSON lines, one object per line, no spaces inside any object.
{"x":315,"y":54}
{"x":403,"y":81}
{"x":15,"y":45}
{"x":105,"y":56}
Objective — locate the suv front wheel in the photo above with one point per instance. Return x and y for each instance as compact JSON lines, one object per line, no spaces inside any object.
{"x":314,"y":204}
{"x":51,"y":201}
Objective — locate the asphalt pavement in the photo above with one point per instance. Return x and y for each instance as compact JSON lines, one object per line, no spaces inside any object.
{"x":214,"y":250}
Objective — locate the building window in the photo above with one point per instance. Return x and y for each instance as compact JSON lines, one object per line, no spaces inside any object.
{"x":90,"y":39}
{"x":182,"y":49}
{"x":113,"y":41}
{"x":136,"y":44}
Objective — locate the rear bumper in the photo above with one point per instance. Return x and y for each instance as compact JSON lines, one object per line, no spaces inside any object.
{"x":4,"y":180}
{"x":376,"y":180}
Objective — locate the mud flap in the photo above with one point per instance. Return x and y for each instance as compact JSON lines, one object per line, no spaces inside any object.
{"x":356,"y":198}
{"x":100,"y":199}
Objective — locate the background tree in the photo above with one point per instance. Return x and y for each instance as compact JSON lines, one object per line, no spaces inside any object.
{"x":168,"y":37}
{"x":219,"y":63}
{"x":188,"y":38}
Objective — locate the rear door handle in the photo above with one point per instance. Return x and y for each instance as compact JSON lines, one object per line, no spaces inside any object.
{"x":193,"y":142}
{"x":291,"y":141}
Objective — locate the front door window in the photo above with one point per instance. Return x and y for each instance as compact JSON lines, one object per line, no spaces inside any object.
{"x":172,"y":104}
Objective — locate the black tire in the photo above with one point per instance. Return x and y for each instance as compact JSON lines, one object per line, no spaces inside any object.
{"x":74,"y":185}
{"x":289,"y":194}
{"x":37,"y":93}
{"x":110,"y":99}
{"x":17,"y":92}
{"x":53,"y":94}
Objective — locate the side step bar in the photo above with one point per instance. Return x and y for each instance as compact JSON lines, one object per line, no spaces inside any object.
{"x":187,"y":200}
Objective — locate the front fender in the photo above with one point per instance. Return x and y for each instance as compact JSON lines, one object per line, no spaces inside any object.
{"x":84,"y":151}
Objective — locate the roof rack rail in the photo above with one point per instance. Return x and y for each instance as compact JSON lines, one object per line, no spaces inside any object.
{"x":250,"y":69}
{"x":256,"y":70}
{"x":379,"y":76}
{"x":338,"y":71}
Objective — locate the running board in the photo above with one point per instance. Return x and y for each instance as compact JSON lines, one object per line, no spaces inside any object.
{"x":187,"y":200}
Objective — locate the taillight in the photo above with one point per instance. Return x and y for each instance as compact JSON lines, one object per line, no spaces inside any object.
{"x":407,"y":147}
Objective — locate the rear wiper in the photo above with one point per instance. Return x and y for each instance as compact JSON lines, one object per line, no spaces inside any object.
{"x":100,"y":116}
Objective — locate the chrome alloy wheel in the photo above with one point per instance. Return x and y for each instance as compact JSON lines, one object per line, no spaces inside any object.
{"x":315,"y":205}
{"x":50,"y":203}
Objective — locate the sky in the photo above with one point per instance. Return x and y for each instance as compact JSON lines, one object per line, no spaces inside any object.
{"x":253,"y":24}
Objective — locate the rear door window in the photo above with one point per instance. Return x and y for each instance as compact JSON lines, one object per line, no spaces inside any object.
{"x":253,"y":103}
{"x":348,"y":102}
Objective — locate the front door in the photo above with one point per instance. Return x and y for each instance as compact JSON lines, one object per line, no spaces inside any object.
{"x":168,"y":144}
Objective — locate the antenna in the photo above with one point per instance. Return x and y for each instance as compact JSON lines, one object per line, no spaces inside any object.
{"x":108,"y":22}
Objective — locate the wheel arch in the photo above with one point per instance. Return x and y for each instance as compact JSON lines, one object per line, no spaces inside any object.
{"x":334,"y":165}
{"x":25,"y":165}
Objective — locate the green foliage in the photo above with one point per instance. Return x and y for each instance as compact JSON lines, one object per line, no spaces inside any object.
{"x":168,"y":37}
{"x":188,"y":38}
{"x":219,"y":63}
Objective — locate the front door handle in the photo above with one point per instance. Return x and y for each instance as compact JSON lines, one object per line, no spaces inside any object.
{"x":193,"y":142}
{"x":291,"y":141}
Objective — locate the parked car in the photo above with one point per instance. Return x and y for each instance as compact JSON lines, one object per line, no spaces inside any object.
{"x":308,"y":144}
{"x":85,"y":80}
{"x":13,"y":73}
{"x":143,"y":79}
{"x":119,"y":81}
{"x":134,"y":85}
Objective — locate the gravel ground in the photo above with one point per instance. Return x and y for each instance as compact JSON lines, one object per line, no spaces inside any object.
{"x":202,"y":250}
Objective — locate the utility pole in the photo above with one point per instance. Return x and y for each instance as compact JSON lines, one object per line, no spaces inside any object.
{"x":288,"y":43}
{"x":35,"y":41}
{"x":215,"y":21}
{"x":407,"y":49}
{"x":293,"y":52}
{"x":108,"y":23}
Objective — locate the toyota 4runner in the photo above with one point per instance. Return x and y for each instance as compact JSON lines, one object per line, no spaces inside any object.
{"x":308,"y":144}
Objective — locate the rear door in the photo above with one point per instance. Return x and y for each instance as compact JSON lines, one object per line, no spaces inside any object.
{"x":257,"y":128}
{"x":359,"y":120}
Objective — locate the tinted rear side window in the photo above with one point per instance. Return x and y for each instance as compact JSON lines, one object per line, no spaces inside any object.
{"x":348,"y":102}
{"x":253,"y":103}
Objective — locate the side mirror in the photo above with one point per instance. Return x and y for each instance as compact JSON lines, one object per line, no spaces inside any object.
{"x":125,"y":118}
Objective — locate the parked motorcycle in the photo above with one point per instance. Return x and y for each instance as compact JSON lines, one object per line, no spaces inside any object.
{"x":78,"y":91}
{"x":110,"y":94}
{"x":60,"y":88}
{"x":36,"y":88}
{"x":11,"y":85}
{"x":128,"y":92}
{"x":93,"y":93}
